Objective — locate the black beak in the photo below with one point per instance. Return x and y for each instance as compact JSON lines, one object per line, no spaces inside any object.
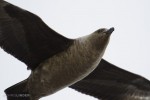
{"x":109,"y":31}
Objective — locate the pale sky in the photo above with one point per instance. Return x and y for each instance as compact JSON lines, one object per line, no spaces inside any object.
{"x":129,"y":46}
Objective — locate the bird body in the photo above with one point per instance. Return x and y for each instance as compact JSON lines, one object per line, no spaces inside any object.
{"x":70,"y":66}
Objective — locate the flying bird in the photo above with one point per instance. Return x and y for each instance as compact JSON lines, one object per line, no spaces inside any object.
{"x":57,"y":62}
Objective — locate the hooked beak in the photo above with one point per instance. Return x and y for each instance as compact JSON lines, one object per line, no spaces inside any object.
{"x":109,"y":31}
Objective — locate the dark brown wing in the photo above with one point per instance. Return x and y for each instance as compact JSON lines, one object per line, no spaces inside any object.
{"x":25,"y":36}
{"x":108,"y":82}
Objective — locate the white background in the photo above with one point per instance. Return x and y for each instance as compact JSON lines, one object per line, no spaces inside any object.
{"x":129,"y":47}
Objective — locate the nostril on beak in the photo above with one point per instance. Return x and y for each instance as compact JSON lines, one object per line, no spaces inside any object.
{"x":109,"y":31}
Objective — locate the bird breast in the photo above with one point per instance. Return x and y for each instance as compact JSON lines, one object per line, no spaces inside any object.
{"x":64,"y":69}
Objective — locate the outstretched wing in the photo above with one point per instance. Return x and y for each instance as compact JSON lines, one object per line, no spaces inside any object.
{"x":108,"y":82}
{"x":25,"y":36}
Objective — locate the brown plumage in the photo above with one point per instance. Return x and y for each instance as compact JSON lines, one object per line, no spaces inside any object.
{"x":25,"y":36}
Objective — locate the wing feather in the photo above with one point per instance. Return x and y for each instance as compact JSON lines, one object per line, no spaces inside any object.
{"x":25,"y":36}
{"x":108,"y":82}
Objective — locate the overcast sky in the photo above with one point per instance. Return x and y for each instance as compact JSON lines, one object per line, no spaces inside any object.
{"x":129,"y":46}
